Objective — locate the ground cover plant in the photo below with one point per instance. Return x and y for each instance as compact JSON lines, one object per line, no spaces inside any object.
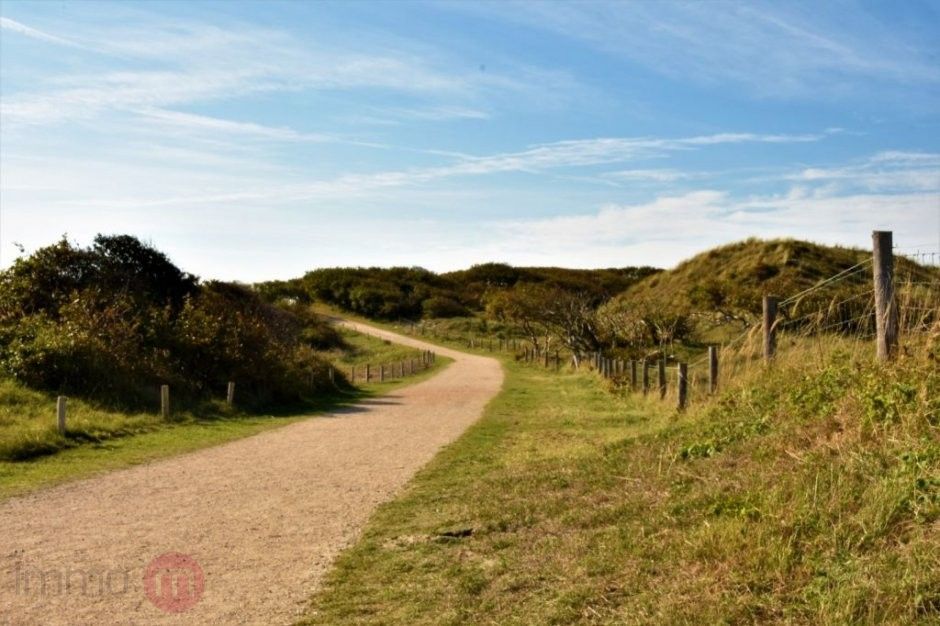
{"x":808,"y":494}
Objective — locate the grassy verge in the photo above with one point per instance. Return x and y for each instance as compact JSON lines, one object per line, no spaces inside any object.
{"x":33,"y":455}
{"x":808,"y":496}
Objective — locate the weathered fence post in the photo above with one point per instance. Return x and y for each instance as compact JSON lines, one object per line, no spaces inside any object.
{"x":633,"y":375}
{"x":646,"y":377}
{"x":332,"y":375}
{"x":368,"y":373}
{"x":557,"y":361}
{"x":770,"y":333}
{"x":165,"y":401}
{"x":683,"y":384}
{"x":545,"y":358}
{"x":230,"y":393}
{"x":712,"y":369}
{"x":382,"y":372}
{"x":661,"y":366}
{"x":60,"y":414}
{"x":886,"y":307}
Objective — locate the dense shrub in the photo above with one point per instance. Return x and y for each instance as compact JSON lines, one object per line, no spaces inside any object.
{"x":442,"y":306}
{"x":414,"y":292}
{"x":115,"y":320}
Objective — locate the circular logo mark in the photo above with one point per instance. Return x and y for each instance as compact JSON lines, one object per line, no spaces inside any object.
{"x":174,"y":582}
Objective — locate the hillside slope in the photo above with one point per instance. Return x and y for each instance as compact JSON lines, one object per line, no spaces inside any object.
{"x":734,"y":278}
{"x":809,"y":495}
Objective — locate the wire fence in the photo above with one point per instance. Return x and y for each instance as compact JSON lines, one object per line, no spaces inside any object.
{"x":837,"y":312}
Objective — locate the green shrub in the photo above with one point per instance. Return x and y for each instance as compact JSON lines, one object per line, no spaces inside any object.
{"x":114,"y":321}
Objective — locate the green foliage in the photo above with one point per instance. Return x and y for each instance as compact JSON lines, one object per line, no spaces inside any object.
{"x":780,"y":502}
{"x":443,"y":307}
{"x":410,"y":293}
{"x":113,"y":321}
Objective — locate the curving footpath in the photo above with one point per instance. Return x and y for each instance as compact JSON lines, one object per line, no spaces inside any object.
{"x":262,"y":517}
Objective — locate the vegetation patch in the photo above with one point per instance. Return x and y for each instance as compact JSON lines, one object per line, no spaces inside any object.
{"x":587,"y":507}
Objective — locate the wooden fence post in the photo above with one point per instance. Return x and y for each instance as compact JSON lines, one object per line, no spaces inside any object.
{"x":712,"y":369}
{"x":661,"y":366}
{"x":646,"y":377}
{"x":60,"y":414}
{"x":332,"y":375}
{"x":368,"y":373}
{"x":683,"y":384}
{"x":230,"y":393}
{"x":557,"y":361}
{"x":381,"y":372}
{"x":886,"y":307}
{"x":165,"y":401}
{"x":770,"y":333}
{"x":633,"y":375}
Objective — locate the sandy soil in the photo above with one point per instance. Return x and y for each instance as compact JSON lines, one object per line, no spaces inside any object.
{"x":263,"y":517}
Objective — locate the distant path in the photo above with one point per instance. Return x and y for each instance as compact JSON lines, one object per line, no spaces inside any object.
{"x":264,"y":517}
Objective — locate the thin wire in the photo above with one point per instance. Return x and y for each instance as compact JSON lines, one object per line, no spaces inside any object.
{"x":840,"y":276}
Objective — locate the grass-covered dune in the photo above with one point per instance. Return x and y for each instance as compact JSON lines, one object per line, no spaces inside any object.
{"x":805,"y":494}
{"x":734,"y":278}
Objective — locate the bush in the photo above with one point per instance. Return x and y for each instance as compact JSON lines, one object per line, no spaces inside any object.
{"x":114,"y":321}
{"x":443,"y":307}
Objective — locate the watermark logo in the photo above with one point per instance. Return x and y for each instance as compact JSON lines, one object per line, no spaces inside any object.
{"x":174,"y":582}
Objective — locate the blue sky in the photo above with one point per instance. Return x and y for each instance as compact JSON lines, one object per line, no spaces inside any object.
{"x":259,"y":140}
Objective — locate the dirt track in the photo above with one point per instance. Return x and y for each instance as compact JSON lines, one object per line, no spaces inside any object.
{"x":263,"y":516}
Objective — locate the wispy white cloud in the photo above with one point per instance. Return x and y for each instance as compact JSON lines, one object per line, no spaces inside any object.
{"x":770,"y":48}
{"x":22,"y":29}
{"x":885,"y":171}
{"x":619,"y":235}
{"x":648,"y":175}
{"x":181,"y":63}
{"x":541,"y":158}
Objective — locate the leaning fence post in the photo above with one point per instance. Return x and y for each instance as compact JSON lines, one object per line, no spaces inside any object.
{"x":712,"y":369}
{"x":661,"y":377}
{"x":165,"y":401}
{"x":60,"y":414}
{"x":770,"y":332}
{"x":886,"y":307}
{"x":683,"y":384}
{"x":230,"y":393}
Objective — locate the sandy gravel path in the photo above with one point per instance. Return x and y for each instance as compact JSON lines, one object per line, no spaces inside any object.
{"x":263,"y":517}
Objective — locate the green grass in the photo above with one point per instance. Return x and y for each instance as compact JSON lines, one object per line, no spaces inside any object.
{"x":811,"y":495}
{"x":33,"y":455}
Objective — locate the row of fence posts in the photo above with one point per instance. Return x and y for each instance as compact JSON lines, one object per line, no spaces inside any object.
{"x":639,"y":371}
{"x":399,"y":369}
{"x":404,"y":367}
{"x":499,"y":344}
{"x":886,"y":331}
{"x":62,"y":402}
